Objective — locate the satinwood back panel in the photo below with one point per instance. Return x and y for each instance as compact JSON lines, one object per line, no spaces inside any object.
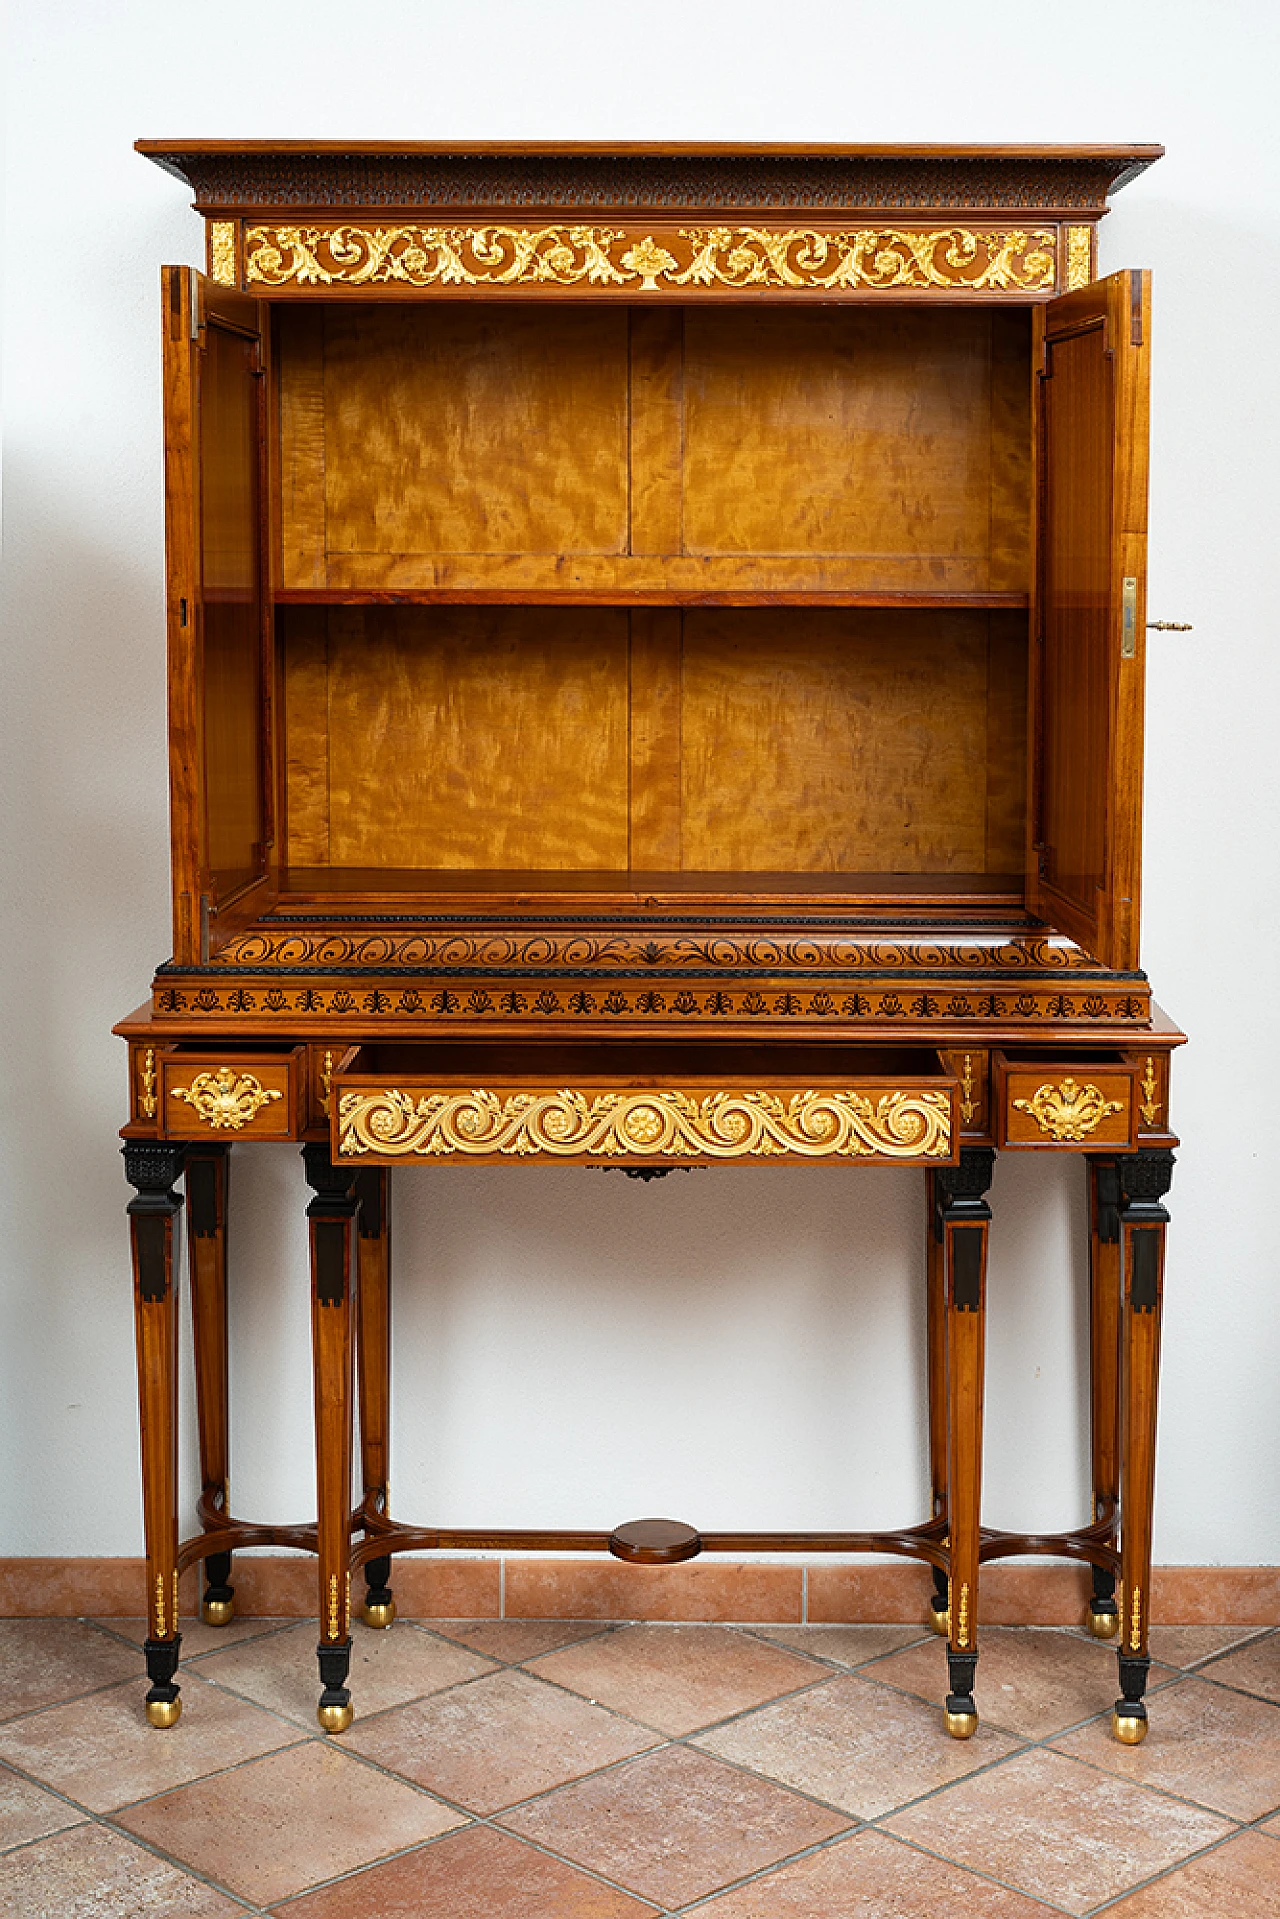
{"x":527,"y":448}
{"x":458,"y":737}
{"x":713,"y":740}
{"x":901,"y":437}
{"x":852,"y":741}
{"x":450,"y":429}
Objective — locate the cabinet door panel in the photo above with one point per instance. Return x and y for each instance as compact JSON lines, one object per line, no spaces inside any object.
{"x":1087,"y":683}
{"x":219,"y":639}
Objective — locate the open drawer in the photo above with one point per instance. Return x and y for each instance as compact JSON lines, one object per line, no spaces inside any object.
{"x":627,"y":1104}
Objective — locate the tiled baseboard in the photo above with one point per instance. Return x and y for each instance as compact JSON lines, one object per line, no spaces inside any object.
{"x":703,"y":1589}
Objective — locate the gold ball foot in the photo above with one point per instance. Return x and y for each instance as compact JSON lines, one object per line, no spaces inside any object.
{"x":217,"y":1612}
{"x":380,"y":1617}
{"x":1104,"y":1625}
{"x":335,"y":1718}
{"x":961,"y":1725}
{"x":164,"y":1712}
{"x":1129,"y":1728}
{"x":940,"y":1622}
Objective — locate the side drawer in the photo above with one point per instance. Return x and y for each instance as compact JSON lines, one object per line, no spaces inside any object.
{"x":231,"y":1094}
{"x":1052,"y":1100}
{"x":643,"y":1106}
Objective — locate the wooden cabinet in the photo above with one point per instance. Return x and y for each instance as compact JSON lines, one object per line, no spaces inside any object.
{"x":656,"y":654}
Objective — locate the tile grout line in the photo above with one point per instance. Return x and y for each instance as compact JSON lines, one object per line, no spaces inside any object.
{"x":106,"y":1822}
{"x":1167,"y":1872}
{"x":962,"y":1865}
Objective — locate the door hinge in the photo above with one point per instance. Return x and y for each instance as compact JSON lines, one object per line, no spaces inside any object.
{"x":193,"y":281}
{"x":206,"y":918}
{"x":1129,"y":619}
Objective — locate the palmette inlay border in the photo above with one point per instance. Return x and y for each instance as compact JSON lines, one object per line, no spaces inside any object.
{"x":464,"y":1002}
{"x":651,"y":1124}
{"x":799,"y":259}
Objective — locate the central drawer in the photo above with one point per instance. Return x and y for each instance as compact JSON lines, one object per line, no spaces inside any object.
{"x":702,"y":1104}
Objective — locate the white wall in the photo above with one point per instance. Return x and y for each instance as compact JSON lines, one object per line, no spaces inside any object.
{"x":735,"y":1349}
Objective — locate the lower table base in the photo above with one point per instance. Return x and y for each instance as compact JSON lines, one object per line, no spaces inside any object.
{"x":349,"y":1229}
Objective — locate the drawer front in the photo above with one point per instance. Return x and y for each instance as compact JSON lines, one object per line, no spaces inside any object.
{"x":388,"y":1122}
{"x":1064,"y":1104}
{"x":229,"y":1095}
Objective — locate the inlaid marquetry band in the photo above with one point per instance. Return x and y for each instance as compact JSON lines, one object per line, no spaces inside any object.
{"x":646,"y":1125}
{"x":685,"y":259}
{"x":388,"y":1000}
{"x":622,"y":948}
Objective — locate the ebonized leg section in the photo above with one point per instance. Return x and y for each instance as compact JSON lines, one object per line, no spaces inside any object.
{"x":208,"y":1176}
{"x":153,"y":1170}
{"x":961,"y":1220}
{"x":1104,"y":1373}
{"x":331,"y":1217}
{"x":373,"y":1309}
{"x":1144,"y":1180}
{"x":936,"y":1322}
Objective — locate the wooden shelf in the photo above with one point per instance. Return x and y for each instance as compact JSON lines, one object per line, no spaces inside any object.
{"x":336,"y":887}
{"x":622,"y":595}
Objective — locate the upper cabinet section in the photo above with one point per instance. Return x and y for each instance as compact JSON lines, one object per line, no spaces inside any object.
{"x":648,"y":455}
{"x":295,"y":220}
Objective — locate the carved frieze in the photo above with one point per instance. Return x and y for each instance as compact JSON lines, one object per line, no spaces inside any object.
{"x":679,"y":260}
{"x":566,"y":1124}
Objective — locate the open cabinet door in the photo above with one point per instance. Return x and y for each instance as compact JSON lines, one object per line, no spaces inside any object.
{"x":1091,"y":424}
{"x":220,"y":669}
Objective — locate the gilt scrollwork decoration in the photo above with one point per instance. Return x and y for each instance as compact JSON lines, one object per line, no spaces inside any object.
{"x":1150,"y":1102}
{"x":1069,"y":1111}
{"x":650,"y":1124}
{"x":147,"y":1084}
{"x":967,"y":1106}
{"x":804,"y":259}
{"x":226,"y":1099}
{"x":222,"y":252}
{"x":1079,"y":257}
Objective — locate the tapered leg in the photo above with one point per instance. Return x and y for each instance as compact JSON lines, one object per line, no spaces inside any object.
{"x":153,"y":1170}
{"x":1144,"y":1180}
{"x":208,"y":1175}
{"x":936,"y":1320}
{"x":331,"y":1215}
{"x":1104,"y":1372}
{"x":373,"y":1307}
{"x":961,"y":1220}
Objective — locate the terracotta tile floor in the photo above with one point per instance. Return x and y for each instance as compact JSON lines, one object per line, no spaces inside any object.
{"x":526,"y":1769}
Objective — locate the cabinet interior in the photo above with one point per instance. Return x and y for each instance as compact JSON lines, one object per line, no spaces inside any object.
{"x":708,"y":600}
